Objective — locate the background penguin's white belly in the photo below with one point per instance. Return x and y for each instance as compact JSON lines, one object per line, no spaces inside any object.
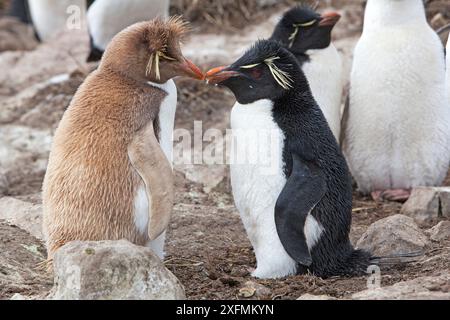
{"x":398,"y":126}
{"x":51,"y":17}
{"x":324,"y":72}
{"x":106,"y":18}
{"x":166,"y":123}
{"x":448,"y":68}
{"x":256,"y":185}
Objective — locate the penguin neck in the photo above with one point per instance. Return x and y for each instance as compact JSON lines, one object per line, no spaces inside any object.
{"x":392,"y":13}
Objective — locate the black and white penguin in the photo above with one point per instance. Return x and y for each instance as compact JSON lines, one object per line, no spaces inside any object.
{"x":19,"y":9}
{"x":106,"y":18}
{"x":49,"y":17}
{"x":297,"y":207}
{"x":397,"y":134}
{"x":307,"y":35}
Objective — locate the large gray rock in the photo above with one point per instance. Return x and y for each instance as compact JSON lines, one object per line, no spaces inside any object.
{"x":393,"y":235}
{"x":427,"y":204}
{"x":440,"y":232}
{"x":422,"y":288}
{"x":110,"y":270}
{"x":25,"y":215}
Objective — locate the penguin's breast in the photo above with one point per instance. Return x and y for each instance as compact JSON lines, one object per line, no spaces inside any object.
{"x":256,"y":161}
{"x":166,"y":119}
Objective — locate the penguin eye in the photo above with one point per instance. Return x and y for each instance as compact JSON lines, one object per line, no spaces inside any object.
{"x":256,"y":73}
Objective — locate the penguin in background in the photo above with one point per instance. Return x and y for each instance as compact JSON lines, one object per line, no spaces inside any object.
{"x":108,"y":17}
{"x":447,"y":56}
{"x":297,"y":216}
{"x":49,"y":17}
{"x":397,"y":133}
{"x":20,"y":10}
{"x":109,"y":175}
{"x":307,"y":35}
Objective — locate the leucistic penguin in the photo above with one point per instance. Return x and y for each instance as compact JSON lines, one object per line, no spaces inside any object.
{"x":397,"y":132}
{"x":296,"y":208}
{"x":307,"y":35}
{"x":108,"y":17}
{"x":109,"y":174}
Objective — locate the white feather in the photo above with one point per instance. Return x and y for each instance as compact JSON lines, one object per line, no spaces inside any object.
{"x":106,"y":18}
{"x":256,"y":189}
{"x":398,"y":133}
{"x":324,"y":72}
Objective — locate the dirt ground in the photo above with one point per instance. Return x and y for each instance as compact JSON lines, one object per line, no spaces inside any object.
{"x":207,"y":247}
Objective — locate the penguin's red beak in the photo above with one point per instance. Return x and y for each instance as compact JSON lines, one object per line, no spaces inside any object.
{"x":329,"y":19}
{"x":189,"y":69}
{"x":219,"y":74}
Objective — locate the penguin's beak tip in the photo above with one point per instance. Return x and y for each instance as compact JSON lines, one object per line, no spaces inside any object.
{"x":329,"y":19}
{"x":219,"y":74}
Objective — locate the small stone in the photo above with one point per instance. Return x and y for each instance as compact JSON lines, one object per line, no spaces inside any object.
{"x":247,"y":292}
{"x":110,"y":270}
{"x":422,"y":288}
{"x":440,"y":232}
{"x":427,"y":204}
{"x":393,"y":235}
{"x":259,"y":291}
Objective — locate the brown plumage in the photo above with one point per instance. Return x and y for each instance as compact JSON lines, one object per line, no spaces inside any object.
{"x":106,"y":144}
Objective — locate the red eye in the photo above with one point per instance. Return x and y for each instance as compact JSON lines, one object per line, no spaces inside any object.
{"x":256,"y":73}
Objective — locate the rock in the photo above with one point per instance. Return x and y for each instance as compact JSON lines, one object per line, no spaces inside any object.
{"x":308,"y":296}
{"x":393,"y":235}
{"x":23,"y":69}
{"x":23,"y":156}
{"x":266,"y":3}
{"x":41,"y":105}
{"x":25,"y":215}
{"x":20,"y":254}
{"x":422,"y":288}
{"x":427,"y":204}
{"x":106,"y":270}
{"x":15,"y":35}
{"x":208,"y":176}
{"x":440,"y":232}
{"x":253,"y":289}
{"x":18,"y":296}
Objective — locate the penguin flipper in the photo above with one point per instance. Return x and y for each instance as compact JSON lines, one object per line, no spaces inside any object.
{"x":303,"y":190}
{"x":150,"y":162}
{"x":95,"y":54}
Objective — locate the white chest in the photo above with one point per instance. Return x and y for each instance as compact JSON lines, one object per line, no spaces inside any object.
{"x":256,"y":162}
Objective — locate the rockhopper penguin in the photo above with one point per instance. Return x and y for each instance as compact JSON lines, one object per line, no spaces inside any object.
{"x":297,"y":216}
{"x":109,"y":175}
{"x":307,"y":35}
{"x":397,"y":134}
{"x":108,"y":17}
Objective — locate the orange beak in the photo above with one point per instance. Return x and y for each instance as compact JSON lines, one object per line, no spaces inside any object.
{"x":191,"y":70}
{"x":329,"y":19}
{"x":219,"y":74}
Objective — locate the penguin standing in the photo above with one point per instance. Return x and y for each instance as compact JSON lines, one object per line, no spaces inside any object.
{"x":109,"y":174}
{"x":297,"y":208}
{"x":307,"y":35}
{"x":107,"y":17}
{"x":50,"y":17}
{"x":398,"y":129}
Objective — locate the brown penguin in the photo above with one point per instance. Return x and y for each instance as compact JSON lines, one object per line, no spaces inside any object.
{"x":109,"y":175}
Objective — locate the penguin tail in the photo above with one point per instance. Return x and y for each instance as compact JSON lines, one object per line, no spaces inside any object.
{"x":400,"y":258}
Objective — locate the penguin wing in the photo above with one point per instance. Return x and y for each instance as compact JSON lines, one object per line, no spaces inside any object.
{"x":148,"y":159}
{"x":303,"y":190}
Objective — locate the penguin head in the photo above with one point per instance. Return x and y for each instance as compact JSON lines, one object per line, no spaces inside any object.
{"x":265,"y":71}
{"x":150,"y":51}
{"x":302,"y":29}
